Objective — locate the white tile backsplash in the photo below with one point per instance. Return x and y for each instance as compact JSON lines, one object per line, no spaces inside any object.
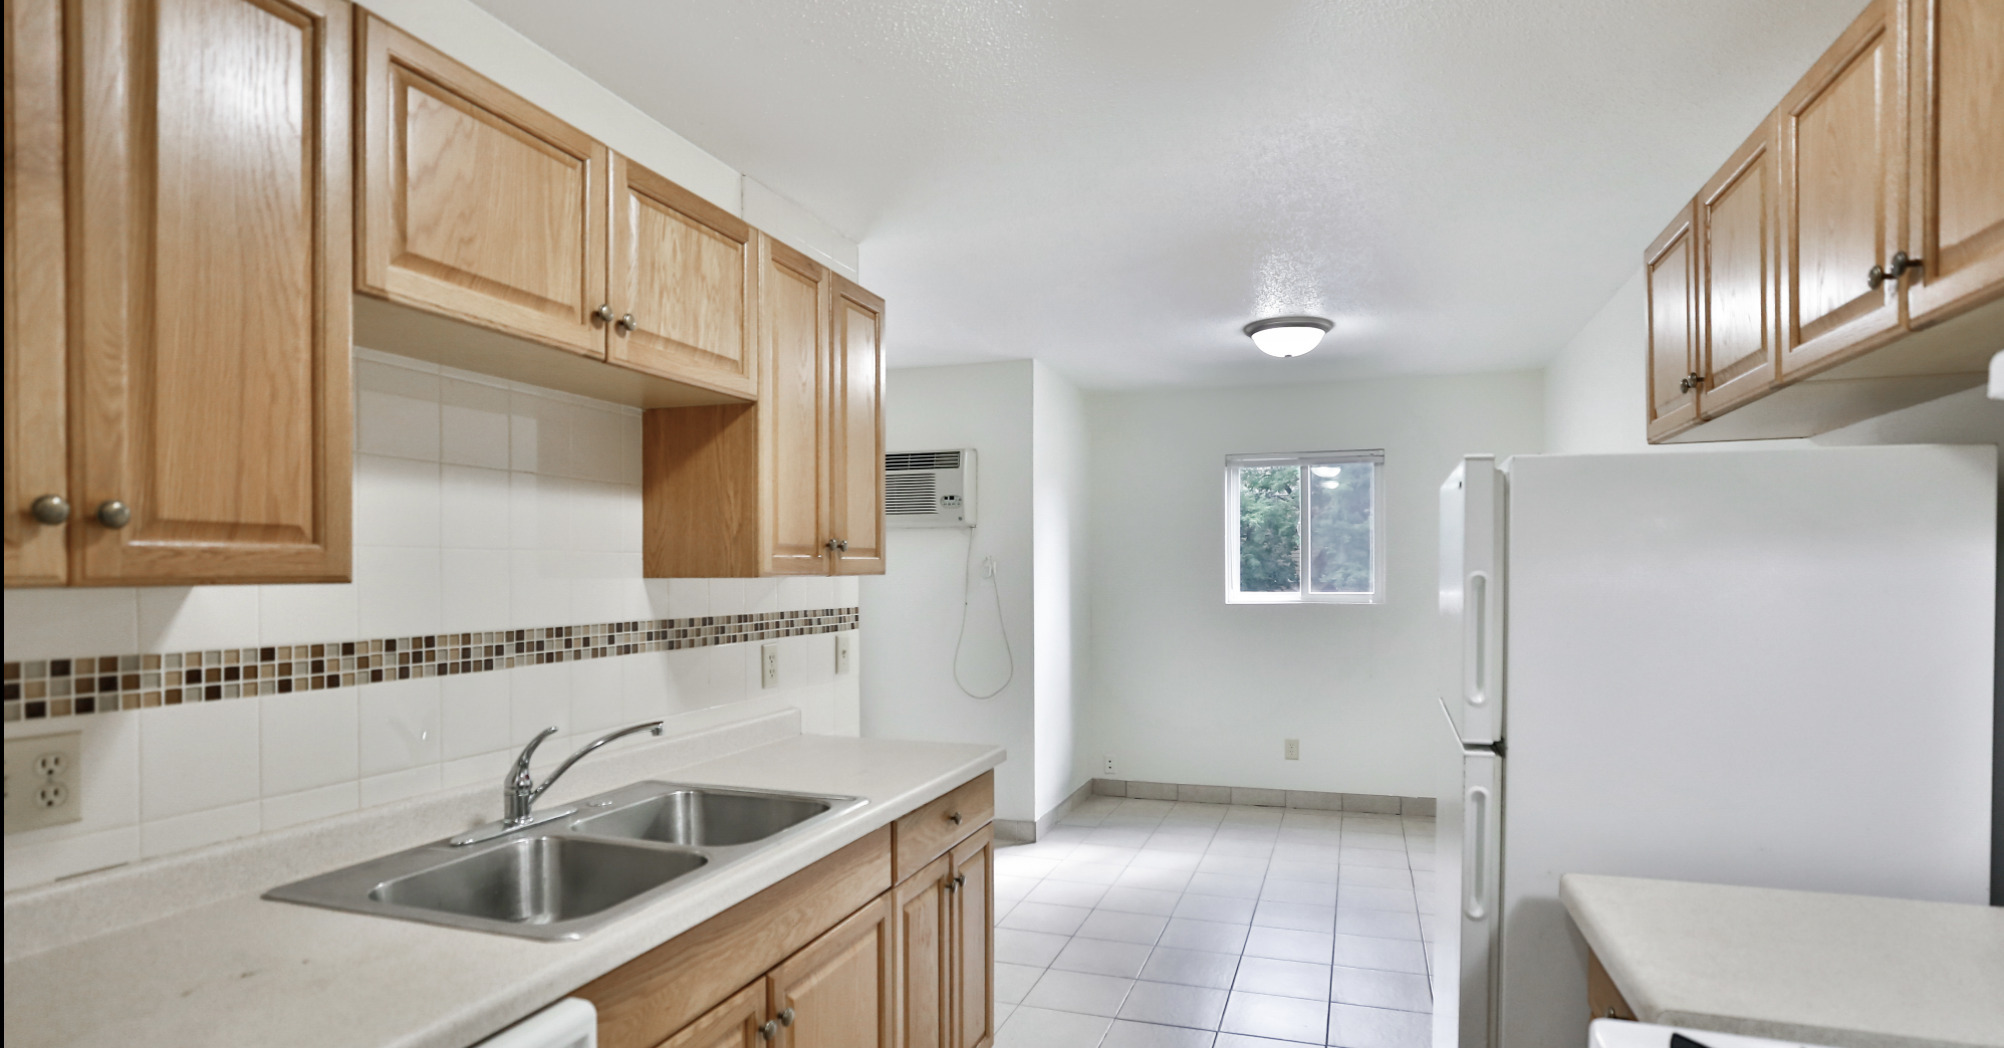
{"x":479,"y":505}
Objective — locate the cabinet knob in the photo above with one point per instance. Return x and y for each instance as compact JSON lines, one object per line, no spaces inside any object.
{"x":786,"y":1017}
{"x":1900,"y":264}
{"x":1875,"y":276}
{"x":769,"y":1031}
{"x":626,"y":324}
{"x":114,"y":514}
{"x":1690,"y":382}
{"x":838,"y":545}
{"x":954,"y":818}
{"x":603,"y":313}
{"x":959,"y":880}
{"x":51,"y":509}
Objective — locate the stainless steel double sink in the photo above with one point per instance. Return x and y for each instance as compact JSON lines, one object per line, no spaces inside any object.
{"x":577,"y":869}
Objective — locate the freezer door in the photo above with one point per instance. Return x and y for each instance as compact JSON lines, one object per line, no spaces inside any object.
{"x":1468,"y":867}
{"x":1470,"y":640}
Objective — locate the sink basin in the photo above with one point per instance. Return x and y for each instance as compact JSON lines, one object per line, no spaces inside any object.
{"x":576,"y":869}
{"x":538,"y":880}
{"x":704,"y":817}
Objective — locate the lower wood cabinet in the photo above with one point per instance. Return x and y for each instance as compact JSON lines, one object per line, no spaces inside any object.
{"x":842,"y":954}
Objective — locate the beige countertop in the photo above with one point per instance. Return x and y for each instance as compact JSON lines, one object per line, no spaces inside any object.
{"x":1853,"y":971}
{"x":89,"y":964}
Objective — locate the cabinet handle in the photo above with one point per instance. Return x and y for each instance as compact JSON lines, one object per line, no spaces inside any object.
{"x":838,"y":546}
{"x":786,"y":1017}
{"x":51,"y":509}
{"x":959,"y":880}
{"x":114,"y":514}
{"x":625,"y":324}
{"x":769,"y":1031}
{"x":1875,"y":276}
{"x":1900,"y":264}
{"x":603,"y":313}
{"x":1690,"y":382}
{"x":954,"y":818}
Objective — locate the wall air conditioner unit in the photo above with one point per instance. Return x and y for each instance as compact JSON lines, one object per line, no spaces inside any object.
{"x":929,"y":489}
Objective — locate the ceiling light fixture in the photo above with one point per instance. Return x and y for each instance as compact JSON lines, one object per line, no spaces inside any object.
{"x":1288,"y":336}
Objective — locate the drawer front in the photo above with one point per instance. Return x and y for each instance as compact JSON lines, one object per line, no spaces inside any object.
{"x":927,"y":833}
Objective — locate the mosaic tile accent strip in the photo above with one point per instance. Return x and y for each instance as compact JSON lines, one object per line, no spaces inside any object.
{"x":47,"y":688}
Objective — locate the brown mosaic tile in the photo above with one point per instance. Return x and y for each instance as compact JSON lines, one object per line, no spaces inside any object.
{"x":44,"y":688}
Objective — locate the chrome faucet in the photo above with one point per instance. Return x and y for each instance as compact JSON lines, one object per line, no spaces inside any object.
{"x":519,"y":790}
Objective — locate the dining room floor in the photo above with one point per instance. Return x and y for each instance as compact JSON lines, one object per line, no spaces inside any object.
{"x":1169,"y":924}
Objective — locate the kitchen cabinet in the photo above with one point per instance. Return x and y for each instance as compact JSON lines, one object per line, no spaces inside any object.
{"x":1955,"y":80}
{"x":856,"y":429}
{"x":37,"y":451}
{"x":1842,"y":161}
{"x":682,"y":284}
{"x":474,"y":203}
{"x":210,"y":264}
{"x":791,"y":485}
{"x":1738,"y":319}
{"x":1848,"y":259}
{"x":847,"y":953}
{"x":1670,"y":286}
{"x":839,"y":991}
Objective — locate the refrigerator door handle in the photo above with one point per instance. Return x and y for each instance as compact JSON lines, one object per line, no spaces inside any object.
{"x":1474,"y":853}
{"x":1475,"y":640}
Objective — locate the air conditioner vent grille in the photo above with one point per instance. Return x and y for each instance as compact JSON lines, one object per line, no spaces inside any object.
{"x":906,"y":494}
{"x":900,"y":461}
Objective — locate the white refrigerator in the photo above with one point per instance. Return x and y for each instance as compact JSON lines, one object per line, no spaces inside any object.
{"x":1758,"y":667}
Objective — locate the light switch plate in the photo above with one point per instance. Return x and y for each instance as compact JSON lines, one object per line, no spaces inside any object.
{"x":768,"y":666}
{"x":44,"y":777}
{"x":842,"y":652}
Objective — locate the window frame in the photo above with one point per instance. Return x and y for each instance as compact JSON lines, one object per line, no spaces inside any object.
{"x":1375,"y":457}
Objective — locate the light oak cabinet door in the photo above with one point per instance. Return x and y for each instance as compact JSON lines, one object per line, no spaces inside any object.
{"x":37,"y":453}
{"x":474,"y":203}
{"x":211,"y":289}
{"x":682,"y":280}
{"x":839,"y":991}
{"x":1670,"y":274}
{"x":736,"y":1023}
{"x":1740,"y":318}
{"x":856,"y":427}
{"x":793,"y":412}
{"x":925,"y":977}
{"x":1956,"y":191}
{"x":972,"y":957}
{"x":1843,"y":160}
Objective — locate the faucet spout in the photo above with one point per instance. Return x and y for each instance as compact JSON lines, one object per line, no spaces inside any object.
{"x":519,"y":792}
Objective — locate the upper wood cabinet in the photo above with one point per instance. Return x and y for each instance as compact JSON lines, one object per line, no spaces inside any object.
{"x":1843,"y":160}
{"x":683,"y":284}
{"x":1738,"y":313}
{"x":1849,"y":257}
{"x":856,"y":429}
{"x":37,"y":453}
{"x":210,"y":250}
{"x":475,"y":203}
{"x":1956,"y":111}
{"x":1670,"y":269}
{"x":792,"y":485}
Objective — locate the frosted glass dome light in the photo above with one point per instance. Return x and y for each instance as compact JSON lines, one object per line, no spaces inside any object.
{"x":1288,"y":336}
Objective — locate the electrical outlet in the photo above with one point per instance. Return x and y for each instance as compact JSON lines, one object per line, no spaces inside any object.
{"x":842,"y":652}
{"x":1291,"y":749}
{"x":42,"y":777}
{"x":1109,"y":766}
{"x":768,"y":666}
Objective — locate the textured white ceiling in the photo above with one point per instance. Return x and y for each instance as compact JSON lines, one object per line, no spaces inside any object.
{"x":1115,"y":187}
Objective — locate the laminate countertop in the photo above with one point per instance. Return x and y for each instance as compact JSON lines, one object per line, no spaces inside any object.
{"x":241,"y":971}
{"x":1853,"y":971}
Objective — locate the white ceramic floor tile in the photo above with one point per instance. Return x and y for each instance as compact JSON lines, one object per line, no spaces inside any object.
{"x":1079,"y":992}
{"x":1013,"y":981}
{"x":1288,"y":944}
{"x":1382,"y":924}
{"x":1037,"y":949}
{"x":1064,"y":893}
{"x":1233,"y":885}
{"x":1298,"y":916}
{"x":1280,"y":978}
{"x":1282,"y":1018}
{"x":1367,"y":898}
{"x":1045,"y":917}
{"x":1103,"y":957}
{"x":1381,"y":989}
{"x":1204,"y":935}
{"x":1169,"y":964}
{"x":1139,"y":900}
{"x":1030,"y":1027}
{"x":1129,"y":1034}
{"x":1169,"y":1004}
{"x":1123,"y":927}
{"x":1390,"y":955}
{"x":1354,"y":1027}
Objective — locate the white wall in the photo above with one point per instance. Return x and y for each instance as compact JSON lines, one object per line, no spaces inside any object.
{"x":915,"y":606}
{"x":1062,"y":492}
{"x":1188,"y":689}
{"x":479,"y":505}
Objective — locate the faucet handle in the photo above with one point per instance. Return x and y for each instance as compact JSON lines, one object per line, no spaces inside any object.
{"x":521,"y":768}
